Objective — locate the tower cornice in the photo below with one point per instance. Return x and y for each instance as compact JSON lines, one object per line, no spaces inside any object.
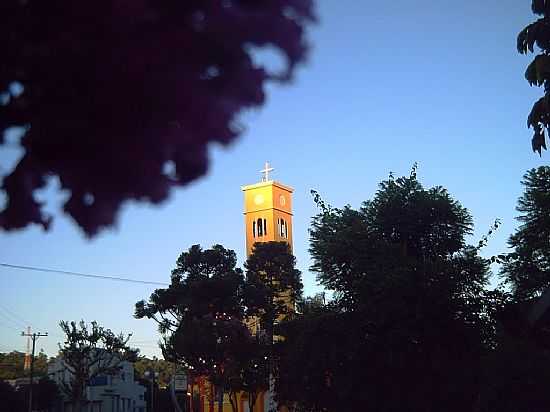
{"x":269,"y":183}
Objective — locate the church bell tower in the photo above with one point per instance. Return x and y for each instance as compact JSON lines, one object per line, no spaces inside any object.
{"x":267,"y":211}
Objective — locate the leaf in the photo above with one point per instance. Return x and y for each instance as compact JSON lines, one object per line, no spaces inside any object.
{"x":538,"y":71}
{"x":538,"y":6}
{"x":531,"y":73}
{"x":521,"y":41}
{"x":537,"y":113}
{"x":538,"y":142}
{"x":529,"y":35}
{"x":542,"y":63}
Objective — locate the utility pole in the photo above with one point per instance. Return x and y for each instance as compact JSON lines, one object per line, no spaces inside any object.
{"x":34,"y":337}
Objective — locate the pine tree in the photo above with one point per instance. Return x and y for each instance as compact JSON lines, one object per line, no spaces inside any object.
{"x":528,"y":270}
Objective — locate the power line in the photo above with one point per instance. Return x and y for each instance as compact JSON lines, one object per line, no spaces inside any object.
{"x":14,"y":315}
{"x":11,"y":321}
{"x":12,"y":318}
{"x":84,"y":275}
{"x":9,"y":326}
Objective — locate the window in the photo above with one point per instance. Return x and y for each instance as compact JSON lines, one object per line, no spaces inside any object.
{"x":286,"y":230}
{"x":260,"y":228}
{"x":265,"y":227}
{"x":283,"y":228}
{"x":254,"y":229}
{"x":99,"y":380}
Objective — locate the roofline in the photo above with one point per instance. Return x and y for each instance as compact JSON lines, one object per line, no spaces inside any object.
{"x":268,"y":183}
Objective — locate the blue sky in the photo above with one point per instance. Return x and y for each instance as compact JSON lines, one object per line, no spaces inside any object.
{"x":387,"y":84}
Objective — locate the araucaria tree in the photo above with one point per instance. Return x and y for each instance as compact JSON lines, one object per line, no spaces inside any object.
{"x":528,"y":269}
{"x":409,"y":324}
{"x":90,"y":351}
{"x":538,"y":72}
{"x":200,"y":316}
{"x":203,"y":315}
{"x":121,"y":100}
{"x":273,"y":284}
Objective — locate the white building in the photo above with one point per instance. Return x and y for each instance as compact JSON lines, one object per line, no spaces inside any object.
{"x":117,"y":393}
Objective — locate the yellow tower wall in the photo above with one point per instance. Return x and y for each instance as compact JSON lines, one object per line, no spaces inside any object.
{"x":270,"y":201}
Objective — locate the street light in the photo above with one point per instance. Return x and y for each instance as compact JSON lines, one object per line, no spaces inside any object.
{"x":151,"y":375}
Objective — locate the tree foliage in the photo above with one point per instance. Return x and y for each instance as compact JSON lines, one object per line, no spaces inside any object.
{"x":516,"y":376}
{"x":411,"y":320}
{"x":11,"y":402}
{"x":203,"y":314}
{"x":528,"y":269}
{"x":45,"y":395}
{"x":200,"y":315}
{"x":203,"y":283}
{"x":121,"y":101}
{"x":273,"y":284}
{"x":165,"y":369}
{"x":538,"y":72}
{"x":12,"y":365}
{"x":90,"y":351}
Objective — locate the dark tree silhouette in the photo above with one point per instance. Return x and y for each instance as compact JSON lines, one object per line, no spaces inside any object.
{"x":10,"y":401}
{"x":518,"y":369}
{"x":205,"y":315}
{"x":200,"y":316}
{"x":538,"y":72}
{"x":527,"y":270}
{"x":46,"y":394}
{"x":120,"y":99}
{"x":516,"y":376}
{"x":273,"y":284}
{"x":411,"y":320}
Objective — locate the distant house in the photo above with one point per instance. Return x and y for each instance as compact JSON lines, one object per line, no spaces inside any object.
{"x":117,"y":393}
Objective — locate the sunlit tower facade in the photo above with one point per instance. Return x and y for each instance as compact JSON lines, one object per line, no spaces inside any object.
{"x":267,"y":211}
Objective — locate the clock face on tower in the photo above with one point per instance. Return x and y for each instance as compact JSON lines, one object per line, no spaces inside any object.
{"x":258,"y":199}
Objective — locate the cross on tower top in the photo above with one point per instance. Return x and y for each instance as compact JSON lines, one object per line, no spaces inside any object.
{"x":265,"y":172}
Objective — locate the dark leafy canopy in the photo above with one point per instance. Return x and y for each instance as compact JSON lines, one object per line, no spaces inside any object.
{"x":201,"y":316}
{"x":121,"y":99}
{"x":410,"y":322}
{"x":90,"y":351}
{"x":273,"y":284}
{"x":46,"y":394}
{"x":11,"y":402}
{"x":404,"y":237}
{"x":528,"y":269}
{"x":201,"y":307}
{"x":204,"y":283}
{"x":273,"y":287}
{"x":538,"y":72}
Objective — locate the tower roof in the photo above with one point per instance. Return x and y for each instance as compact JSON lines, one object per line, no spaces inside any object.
{"x":269,"y":183}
